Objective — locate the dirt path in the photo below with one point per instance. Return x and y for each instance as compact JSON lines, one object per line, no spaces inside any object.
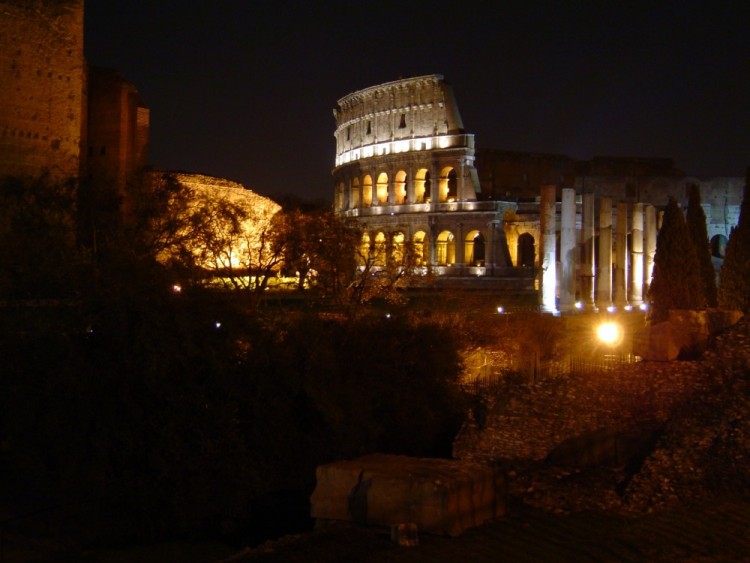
{"x":709,"y":532}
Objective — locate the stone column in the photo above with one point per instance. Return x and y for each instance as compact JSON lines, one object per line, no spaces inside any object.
{"x":434,"y":193}
{"x":460,"y":246}
{"x":548,"y":259}
{"x":568,"y":250}
{"x":604,"y":275}
{"x":432,"y":234}
{"x":636,"y":269}
{"x":489,"y":249}
{"x":587,"y":251}
{"x":650,"y":244}
{"x":410,"y":195}
{"x":621,"y":255}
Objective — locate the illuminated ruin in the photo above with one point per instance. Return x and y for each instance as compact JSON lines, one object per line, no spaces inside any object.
{"x":582,"y":232}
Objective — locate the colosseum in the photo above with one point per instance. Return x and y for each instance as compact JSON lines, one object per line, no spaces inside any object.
{"x":407,"y":170}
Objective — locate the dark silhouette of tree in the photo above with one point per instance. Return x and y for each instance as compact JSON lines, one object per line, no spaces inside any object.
{"x":676,"y":281}
{"x":696,"y":223}
{"x":734,"y":277}
{"x":39,"y":257}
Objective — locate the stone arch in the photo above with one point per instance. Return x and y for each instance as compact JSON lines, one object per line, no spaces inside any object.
{"x":421,"y":248}
{"x":398,"y":240}
{"x":381,"y":189}
{"x":446,"y":249}
{"x":380,"y":243}
{"x":367,"y":191}
{"x":448,"y":185}
{"x":421,"y":185}
{"x":354,"y":193}
{"x":474,"y":248}
{"x":718,"y":246}
{"x":399,"y":188}
{"x":364,"y":249}
{"x":526,"y":253}
{"x":340,"y":202}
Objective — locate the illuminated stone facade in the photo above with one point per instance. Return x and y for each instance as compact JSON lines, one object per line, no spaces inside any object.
{"x":407,"y":170}
{"x":42,"y":94}
{"x":208,"y":193}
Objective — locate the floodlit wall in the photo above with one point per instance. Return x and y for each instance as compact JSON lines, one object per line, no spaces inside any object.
{"x":42,"y":78}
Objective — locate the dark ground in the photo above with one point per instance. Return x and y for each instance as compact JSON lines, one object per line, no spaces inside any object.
{"x":713,"y":531}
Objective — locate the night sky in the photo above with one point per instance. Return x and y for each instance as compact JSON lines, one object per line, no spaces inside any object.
{"x":244,"y":89}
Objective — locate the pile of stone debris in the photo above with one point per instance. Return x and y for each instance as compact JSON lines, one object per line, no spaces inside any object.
{"x":701,"y":451}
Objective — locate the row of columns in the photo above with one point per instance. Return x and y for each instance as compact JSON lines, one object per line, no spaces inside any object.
{"x":632,"y":266}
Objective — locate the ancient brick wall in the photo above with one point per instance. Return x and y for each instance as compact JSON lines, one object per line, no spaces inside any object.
{"x":118,"y":127}
{"x":42,"y":73}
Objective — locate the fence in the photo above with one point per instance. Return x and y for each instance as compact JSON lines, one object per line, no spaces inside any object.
{"x":533,"y":370}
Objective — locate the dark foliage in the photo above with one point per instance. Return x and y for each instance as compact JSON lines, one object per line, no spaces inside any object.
{"x":676,"y":281}
{"x":149,"y":413}
{"x":734,"y":278}
{"x":696,"y":223}
{"x":38,"y":254}
{"x":143,"y":410}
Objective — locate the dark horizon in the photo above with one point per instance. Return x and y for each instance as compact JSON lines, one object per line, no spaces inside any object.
{"x":245,"y":92}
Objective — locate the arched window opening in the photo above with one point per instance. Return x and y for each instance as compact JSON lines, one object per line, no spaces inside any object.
{"x":446,"y":249}
{"x":340,"y":202}
{"x":399,"y":188}
{"x":364,"y":250}
{"x":367,"y":191}
{"x":474,"y":248}
{"x":421,"y":249}
{"x":402,"y":123}
{"x":448,"y":185}
{"x":718,"y":246}
{"x":525,"y":251}
{"x":382,"y":189}
{"x":397,"y":250}
{"x":378,"y":250}
{"x":354,"y":194}
{"x":421,"y":185}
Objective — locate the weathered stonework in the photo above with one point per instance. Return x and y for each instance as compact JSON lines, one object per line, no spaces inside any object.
{"x":42,"y":98}
{"x":440,"y":496}
{"x":407,"y":170}
{"x":118,"y":127}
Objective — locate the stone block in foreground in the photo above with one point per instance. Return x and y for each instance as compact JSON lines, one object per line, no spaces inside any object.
{"x":440,"y":496}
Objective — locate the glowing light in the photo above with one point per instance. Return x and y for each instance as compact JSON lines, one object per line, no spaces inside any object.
{"x":177,"y":288}
{"x":579,"y":305}
{"x":500,"y":310}
{"x":611,"y":309}
{"x":628,"y":307}
{"x":644,"y":307}
{"x":609,"y":333}
{"x":217,"y":324}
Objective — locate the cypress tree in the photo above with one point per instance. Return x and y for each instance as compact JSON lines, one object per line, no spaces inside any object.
{"x":676,"y":282}
{"x":696,"y":223}
{"x":734,"y":277}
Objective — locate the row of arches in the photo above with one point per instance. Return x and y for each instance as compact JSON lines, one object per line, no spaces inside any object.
{"x":443,"y":249}
{"x":398,"y":189}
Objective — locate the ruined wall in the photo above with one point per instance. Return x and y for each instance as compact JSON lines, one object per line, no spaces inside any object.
{"x":404,"y":109}
{"x":42,"y":73}
{"x":516,"y":176}
{"x":118,"y":127}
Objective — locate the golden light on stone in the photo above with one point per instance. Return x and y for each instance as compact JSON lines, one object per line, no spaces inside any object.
{"x":609,"y":333}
